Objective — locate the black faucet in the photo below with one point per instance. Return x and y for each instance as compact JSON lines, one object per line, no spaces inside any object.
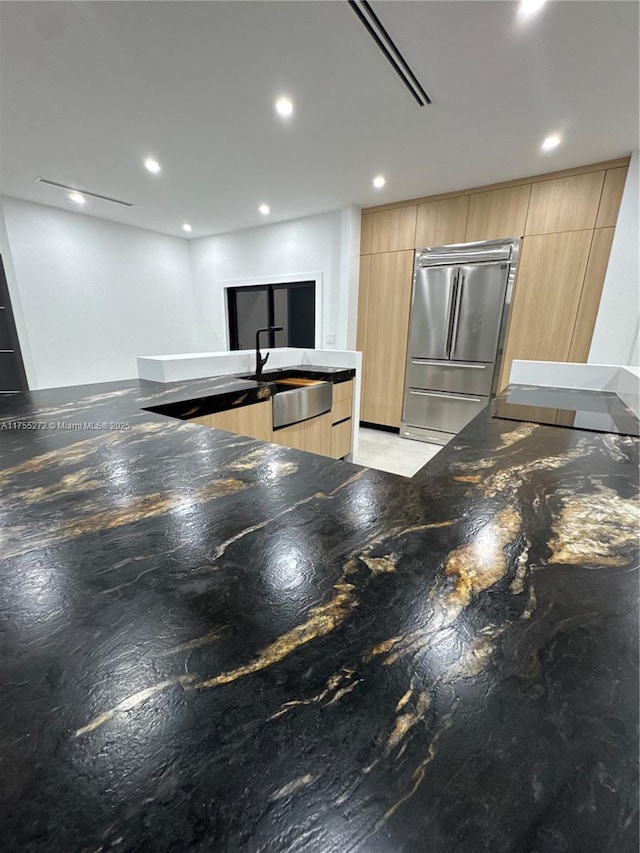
{"x":260,"y":362}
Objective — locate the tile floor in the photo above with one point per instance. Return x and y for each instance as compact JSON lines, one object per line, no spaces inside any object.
{"x":388,"y":452}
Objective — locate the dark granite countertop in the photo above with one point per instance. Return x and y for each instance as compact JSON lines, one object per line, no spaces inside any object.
{"x":215,"y":644}
{"x":220,"y":393}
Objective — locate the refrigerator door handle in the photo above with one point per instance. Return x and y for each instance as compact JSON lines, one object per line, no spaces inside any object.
{"x":457,"y":365}
{"x":452,"y":302}
{"x":462,"y":397}
{"x":456,"y":317}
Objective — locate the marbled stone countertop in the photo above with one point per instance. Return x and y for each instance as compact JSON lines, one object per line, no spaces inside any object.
{"x":215,"y":644}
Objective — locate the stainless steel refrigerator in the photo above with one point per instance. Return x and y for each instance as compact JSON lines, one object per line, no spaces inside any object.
{"x":458,"y":320}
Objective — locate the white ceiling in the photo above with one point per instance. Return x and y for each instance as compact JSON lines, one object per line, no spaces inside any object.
{"x":91,"y":88}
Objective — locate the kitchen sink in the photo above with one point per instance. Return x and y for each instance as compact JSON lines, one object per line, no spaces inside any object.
{"x":296,"y":400}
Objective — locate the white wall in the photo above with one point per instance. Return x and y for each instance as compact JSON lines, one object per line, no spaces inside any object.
{"x":615,"y":336}
{"x":91,"y":295}
{"x":322,"y":244}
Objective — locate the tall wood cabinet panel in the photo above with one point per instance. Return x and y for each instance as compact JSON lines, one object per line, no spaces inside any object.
{"x":591,"y":293}
{"x":611,"y":197}
{"x":564,"y":204}
{"x":497,"y":214}
{"x":393,"y":230}
{"x":366,"y":225}
{"x":363,"y":301}
{"x":546,"y":297}
{"x":442,"y":222}
{"x":387,"y":322}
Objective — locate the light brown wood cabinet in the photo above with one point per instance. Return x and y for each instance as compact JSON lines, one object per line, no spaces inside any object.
{"x":366,"y":225}
{"x":442,"y":222}
{"x":393,"y":230}
{"x":590,"y":294}
{"x":546,"y":298}
{"x":341,"y":419}
{"x":341,"y":391}
{"x":363,"y":302}
{"x":498,"y":214}
{"x":340,"y":410}
{"x":253,"y":421}
{"x":567,"y":220}
{"x":566,"y":204}
{"x":341,"y":439}
{"x":611,"y":197}
{"x":313,"y":435}
{"x":384,"y":337}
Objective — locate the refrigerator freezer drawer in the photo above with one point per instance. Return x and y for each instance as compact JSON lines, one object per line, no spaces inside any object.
{"x":455,"y":376}
{"x":443,"y":412}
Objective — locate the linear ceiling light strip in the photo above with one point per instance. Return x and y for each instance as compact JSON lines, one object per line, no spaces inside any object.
{"x":379,"y":34}
{"x":401,"y":60}
{"x":84,"y":192}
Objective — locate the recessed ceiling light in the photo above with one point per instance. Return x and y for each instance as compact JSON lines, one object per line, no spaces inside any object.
{"x":529,"y":8}
{"x":551,"y":142}
{"x":152,"y":166}
{"x":77,"y":197}
{"x":379,"y":181}
{"x":187,"y":227}
{"x":264,"y":209}
{"x":284,"y":106}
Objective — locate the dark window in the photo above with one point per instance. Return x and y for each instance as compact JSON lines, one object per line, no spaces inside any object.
{"x":292,"y":306}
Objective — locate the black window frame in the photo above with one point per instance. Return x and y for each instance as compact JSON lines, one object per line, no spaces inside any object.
{"x":232,"y":312}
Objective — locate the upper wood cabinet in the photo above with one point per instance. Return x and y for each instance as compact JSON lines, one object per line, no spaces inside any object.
{"x":611,"y":197}
{"x":546,"y":297}
{"x":366,"y":224}
{"x":393,"y":230}
{"x":387,"y":324}
{"x":442,"y":222}
{"x":564,"y":204}
{"x":497,"y":214}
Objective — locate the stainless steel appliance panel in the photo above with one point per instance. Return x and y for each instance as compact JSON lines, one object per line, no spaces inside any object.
{"x":465,"y":253}
{"x":300,"y":404}
{"x":440,"y":411}
{"x":477,"y":312}
{"x":431,"y":312}
{"x":456,"y":376}
{"x":433,"y":436}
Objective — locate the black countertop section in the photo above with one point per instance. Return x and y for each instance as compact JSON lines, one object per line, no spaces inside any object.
{"x":596,"y":411}
{"x":233,"y":392}
{"x":215,"y":644}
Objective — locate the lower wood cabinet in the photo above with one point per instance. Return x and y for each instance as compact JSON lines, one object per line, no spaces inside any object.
{"x":341,"y":439}
{"x":313,"y":435}
{"x":341,"y":419}
{"x":253,"y":421}
{"x":328,"y":435}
